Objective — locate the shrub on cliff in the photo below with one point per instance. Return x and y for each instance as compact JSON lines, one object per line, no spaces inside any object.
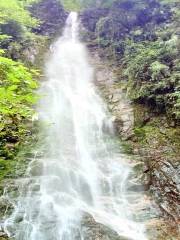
{"x":152,"y":69}
{"x":16,"y":101}
{"x":142,"y":36}
{"x":15,"y":19}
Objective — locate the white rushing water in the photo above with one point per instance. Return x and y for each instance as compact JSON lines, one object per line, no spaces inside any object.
{"x":80,"y":170}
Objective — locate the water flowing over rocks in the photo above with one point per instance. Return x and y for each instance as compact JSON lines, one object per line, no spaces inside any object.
{"x":118,"y":103}
{"x":92,"y":230}
{"x":81,"y":166}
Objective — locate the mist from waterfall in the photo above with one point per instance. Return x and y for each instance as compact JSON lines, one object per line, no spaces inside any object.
{"x":80,"y":170}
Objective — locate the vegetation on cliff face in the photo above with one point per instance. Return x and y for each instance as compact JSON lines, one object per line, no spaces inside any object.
{"x":17,"y":80}
{"x":153,"y":68}
{"x":142,"y":37}
{"x":51,"y":15}
{"x":16,"y":24}
{"x":153,"y":74}
{"x":79,"y":5}
{"x":16,"y":99}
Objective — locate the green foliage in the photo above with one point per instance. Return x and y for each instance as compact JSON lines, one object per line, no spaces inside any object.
{"x":153,"y":73}
{"x":142,"y":36}
{"x":16,"y":22}
{"x":6,"y":168}
{"x":173,"y":99}
{"x":71,"y":5}
{"x":158,"y":70}
{"x":17,"y":83}
{"x":16,"y":99}
{"x":77,"y":5}
{"x":139,"y":133}
{"x":145,"y":58}
{"x":14,"y":10}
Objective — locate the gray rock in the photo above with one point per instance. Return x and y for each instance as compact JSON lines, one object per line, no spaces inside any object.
{"x":93,"y":230}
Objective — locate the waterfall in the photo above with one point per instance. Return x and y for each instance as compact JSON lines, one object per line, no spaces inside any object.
{"x":80,"y":169}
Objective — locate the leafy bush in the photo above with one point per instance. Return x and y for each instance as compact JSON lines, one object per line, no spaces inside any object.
{"x":15,"y":10}
{"x":16,"y":100}
{"x":16,"y":22}
{"x":151,"y":68}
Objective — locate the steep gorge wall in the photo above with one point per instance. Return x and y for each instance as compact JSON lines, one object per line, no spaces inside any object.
{"x":139,"y":41}
{"x":155,"y":135}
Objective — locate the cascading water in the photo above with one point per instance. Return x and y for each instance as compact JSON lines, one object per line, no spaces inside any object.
{"x":80,"y":170}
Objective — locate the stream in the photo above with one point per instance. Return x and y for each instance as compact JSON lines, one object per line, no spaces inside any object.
{"x":81,"y":171}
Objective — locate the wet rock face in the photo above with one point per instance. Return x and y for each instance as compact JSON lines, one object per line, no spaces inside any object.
{"x":52,"y":16}
{"x":3,"y":235}
{"x":4,"y":208}
{"x":158,"y":144}
{"x":118,"y":103}
{"x":93,"y":230}
{"x":123,"y":113}
{"x":166,"y":186}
